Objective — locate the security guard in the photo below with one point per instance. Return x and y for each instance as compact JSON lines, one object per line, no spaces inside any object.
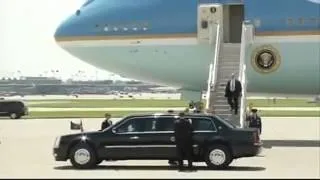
{"x":192,"y":107}
{"x":255,"y":120}
{"x":107,"y":122}
{"x":183,"y":137}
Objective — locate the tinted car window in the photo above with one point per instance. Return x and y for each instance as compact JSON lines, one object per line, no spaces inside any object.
{"x":226,"y":123}
{"x":165,"y":124}
{"x":138,"y":125}
{"x":202,"y":124}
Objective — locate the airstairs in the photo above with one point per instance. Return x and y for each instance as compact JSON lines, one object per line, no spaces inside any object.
{"x":228,"y":63}
{"x":228,"y":59}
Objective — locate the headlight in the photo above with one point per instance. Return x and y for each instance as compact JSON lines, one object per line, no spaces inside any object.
{"x":57,"y":142}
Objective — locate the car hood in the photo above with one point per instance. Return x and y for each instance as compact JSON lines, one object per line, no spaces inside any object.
{"x":88,"y":133}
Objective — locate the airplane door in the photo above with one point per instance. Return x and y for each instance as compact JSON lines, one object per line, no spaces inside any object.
{"x":208,"y":15}
{"x":236,"y":18}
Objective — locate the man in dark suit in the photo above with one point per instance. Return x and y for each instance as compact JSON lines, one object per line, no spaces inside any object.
{"x":107,"y":122}
{"x":255,"y":120}
{"x":233,"y":92}
{"x":184,"y":143}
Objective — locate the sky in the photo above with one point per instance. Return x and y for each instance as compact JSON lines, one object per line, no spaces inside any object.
{"x":27,"y":43}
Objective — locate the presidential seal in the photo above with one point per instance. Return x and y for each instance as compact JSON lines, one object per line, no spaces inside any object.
{"x":265,"y":59}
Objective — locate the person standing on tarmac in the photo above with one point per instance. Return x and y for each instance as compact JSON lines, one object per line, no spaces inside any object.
{"x":107,"y":122}
{"x":184,"y":143}
{"x":255,"y":120}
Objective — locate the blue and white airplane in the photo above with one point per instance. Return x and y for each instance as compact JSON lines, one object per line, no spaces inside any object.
{"x":158,"y":41}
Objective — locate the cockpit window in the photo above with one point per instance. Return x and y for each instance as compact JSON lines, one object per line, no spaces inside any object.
{"x":87,"y":3}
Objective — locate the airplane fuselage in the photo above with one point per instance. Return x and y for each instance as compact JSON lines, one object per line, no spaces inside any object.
{"x":156,"y":41}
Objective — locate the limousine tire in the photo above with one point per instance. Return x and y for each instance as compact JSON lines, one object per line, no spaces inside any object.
{"x":14,"y":116}
{"x":218,"y":157}
{"x":82,"y":156}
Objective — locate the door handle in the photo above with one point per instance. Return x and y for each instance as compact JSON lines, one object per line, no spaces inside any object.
{"x":134,"y":137}
{"x":172,"y":139}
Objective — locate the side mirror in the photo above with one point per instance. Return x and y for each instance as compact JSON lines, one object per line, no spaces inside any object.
{"x":114,"y":130}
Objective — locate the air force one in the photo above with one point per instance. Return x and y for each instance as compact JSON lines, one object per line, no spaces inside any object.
{"x":273,"y":45}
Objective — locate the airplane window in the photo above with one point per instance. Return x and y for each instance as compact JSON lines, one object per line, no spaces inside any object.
{"x":313,"y":20}
{"x":204,"y":24}
{"x":289,"y":21}
{"x":301,"y":21}
{"x":78,"y":12}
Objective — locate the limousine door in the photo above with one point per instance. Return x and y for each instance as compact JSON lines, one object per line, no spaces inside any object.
{"x":203,"y":130}
{"x":141,"y":138}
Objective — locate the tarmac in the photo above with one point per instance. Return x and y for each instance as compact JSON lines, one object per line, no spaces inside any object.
{"x":291,"y":150}
{"x":40,"y":109}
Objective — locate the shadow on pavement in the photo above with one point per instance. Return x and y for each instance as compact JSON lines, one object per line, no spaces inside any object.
{"x":290,"y":143}
{"x":160,"y":168}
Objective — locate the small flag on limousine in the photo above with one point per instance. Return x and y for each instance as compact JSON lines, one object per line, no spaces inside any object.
{"x":75,"y":126}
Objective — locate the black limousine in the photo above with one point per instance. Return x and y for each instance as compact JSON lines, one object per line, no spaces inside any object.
{"x":150,"y":136}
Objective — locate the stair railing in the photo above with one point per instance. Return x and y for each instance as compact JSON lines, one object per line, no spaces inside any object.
{"x":247,"y":38}
{"x":213,"y":65}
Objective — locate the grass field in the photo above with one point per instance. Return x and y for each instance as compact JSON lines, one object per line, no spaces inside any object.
{"x":100,"y":114}
{"x":83,"y":103}
{"x":103,"y":103}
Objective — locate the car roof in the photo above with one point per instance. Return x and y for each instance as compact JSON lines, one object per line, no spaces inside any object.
{"x":7,"y":100}
{"x":168,"y":114}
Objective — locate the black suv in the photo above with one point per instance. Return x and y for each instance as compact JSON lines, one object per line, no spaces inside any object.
{"x":13,"y":109}
{"x":216,"y":141}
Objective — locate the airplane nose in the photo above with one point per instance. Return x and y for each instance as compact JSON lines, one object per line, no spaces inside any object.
{"x":70,"y":27}
{"x":63,"y":30}
{"x":59,"y":32}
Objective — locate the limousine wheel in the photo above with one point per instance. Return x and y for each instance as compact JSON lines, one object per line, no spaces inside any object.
{"x":218,"y":157}
{"x":13,"y":115}
{"x":82,"y":156}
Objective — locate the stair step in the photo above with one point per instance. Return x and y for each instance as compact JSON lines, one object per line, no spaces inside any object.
{"x":229,"y":68}
{"x":233,"y":65}
{"x":221,"y":101}
{"x":223,"y":83}
{"x":226,"y":117}
{"x":228,"y":54}
{"x":221,"y":106}
{"x":228,"y":63}
{"x":222,"y":111}
{"x":224,"y":59}
{"x":227,"y":73}
{"x":225,"y":76}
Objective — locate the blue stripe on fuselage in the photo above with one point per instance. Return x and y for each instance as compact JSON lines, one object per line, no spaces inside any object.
{"x":274,"y":15}
{"x":158,"y":16}
{"x":162,"y":17}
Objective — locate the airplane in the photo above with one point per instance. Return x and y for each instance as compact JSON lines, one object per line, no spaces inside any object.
{"x":160,"y":41}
